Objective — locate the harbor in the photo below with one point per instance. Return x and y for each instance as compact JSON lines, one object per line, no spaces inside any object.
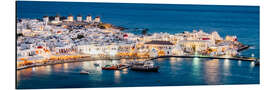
{"x":171,"y":72}
{"x":88,"y":45}
{"x":35,"y":47}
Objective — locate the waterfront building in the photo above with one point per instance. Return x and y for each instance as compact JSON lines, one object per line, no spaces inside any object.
{"x":126,"y":50}
{"x":195,"y":45}
{"x":162,"y":48}
{"x":97,"y":51}
{"x":177,"y":50}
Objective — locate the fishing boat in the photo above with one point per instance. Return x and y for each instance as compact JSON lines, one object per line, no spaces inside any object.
{"x":148,"y":66}
{"x":109,"y":67}
{"x":145,"y":68}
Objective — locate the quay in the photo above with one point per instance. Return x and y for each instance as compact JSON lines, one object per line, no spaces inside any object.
{"x":81,"y":59}
{"x":210,"y":57}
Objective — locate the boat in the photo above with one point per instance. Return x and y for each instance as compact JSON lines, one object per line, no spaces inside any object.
{"x":109,"y":67}
{"x":84,"y":72}
{"x":148,"y":66}
{"x":144,"y":68}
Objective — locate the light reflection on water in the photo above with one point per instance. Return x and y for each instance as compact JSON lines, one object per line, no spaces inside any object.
{"x":175,"y":70}
{"x":211,"y":71}
{"x":196,"y":66}
{"x":239,"y":63}
{"x":117,"y":75}
{"x":226,"y":66}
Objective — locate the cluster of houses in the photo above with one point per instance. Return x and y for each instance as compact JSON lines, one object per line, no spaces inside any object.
{"x":45,"y":39}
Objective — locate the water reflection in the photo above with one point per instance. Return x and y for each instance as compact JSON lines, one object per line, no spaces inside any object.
{"x":211,"y":71}
{"x":196,"y":66}
{"x":57,"y":67}
{"x":117,"y":75}
{"x":125,"y":71}
{"x":172,"y":60}
{"x":65,"y":67}
{"x":239,"y":63}
{"x":252,"y":64}
{"x":199,"y":70}
{"x":226,"y":65}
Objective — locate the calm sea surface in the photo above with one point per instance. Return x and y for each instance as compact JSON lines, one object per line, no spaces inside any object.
{"x":242,"y":21}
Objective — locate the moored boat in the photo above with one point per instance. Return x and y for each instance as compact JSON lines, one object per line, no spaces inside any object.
{"x":145,"y":68}
{"x":109,"y":67}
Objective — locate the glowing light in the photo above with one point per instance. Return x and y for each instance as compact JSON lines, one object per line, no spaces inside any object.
{"x":226,"y":65}
{"x":125,"y":71}
{"x":212,"y":73}
{"x":196,"y":66}
{"x":252,"y":64}
{"x":239,"y":62}
{"x":226,"y":62}
{"x":117,"y":76}
{"x":34,"y":69}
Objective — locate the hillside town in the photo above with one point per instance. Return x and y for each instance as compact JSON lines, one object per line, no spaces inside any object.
{"x":56,"y":39}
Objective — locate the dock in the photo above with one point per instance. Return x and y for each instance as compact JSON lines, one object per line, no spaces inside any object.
{"x":210,"y":57}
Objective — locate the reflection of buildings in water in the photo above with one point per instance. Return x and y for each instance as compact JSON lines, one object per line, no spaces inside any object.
{"x":196,"y":66}
{"x":125,"y":71}
{"x":34,"y":69}
{"x":48,"y":69}
{"x":252,"y":64}
{"x":160,"y":59}
{"x":18,"y":76}
{"x":174,"y":60}
{"x":65,"y":67}
{"x":57,"y":67}
{"x":25,"y":73}
{"x":211,"y":71}
{"x":117,"y":75}
{"x":179,"y":59}
{"x":226,"y":65}
{"x":43,"y":69}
